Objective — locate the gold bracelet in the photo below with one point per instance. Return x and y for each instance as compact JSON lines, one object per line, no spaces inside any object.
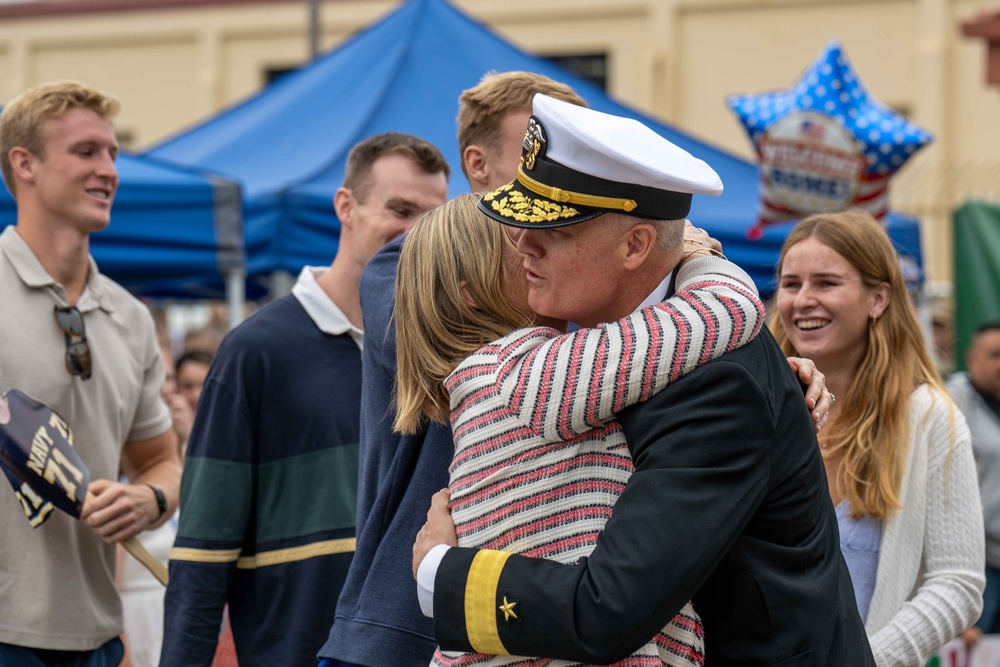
{"x":694,"y":241}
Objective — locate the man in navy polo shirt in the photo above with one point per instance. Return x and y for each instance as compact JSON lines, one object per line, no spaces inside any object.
{"x":269,"y":489}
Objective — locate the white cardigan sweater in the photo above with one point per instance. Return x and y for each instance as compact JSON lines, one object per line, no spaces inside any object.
{"x":930,"y":573}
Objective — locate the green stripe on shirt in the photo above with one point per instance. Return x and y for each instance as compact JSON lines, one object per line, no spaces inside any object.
{"x":309,"y":493}
{"x":300,"y":495}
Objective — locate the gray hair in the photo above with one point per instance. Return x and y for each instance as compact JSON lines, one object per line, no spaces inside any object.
{"x":669,"y":233}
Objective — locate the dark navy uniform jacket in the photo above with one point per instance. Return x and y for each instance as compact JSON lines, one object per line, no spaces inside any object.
{"x":728,"y":507}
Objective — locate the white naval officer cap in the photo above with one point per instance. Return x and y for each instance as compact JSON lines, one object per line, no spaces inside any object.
{"x":578,"y":163}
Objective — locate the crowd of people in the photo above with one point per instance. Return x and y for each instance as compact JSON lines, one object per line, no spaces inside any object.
{"x":543,"y":423}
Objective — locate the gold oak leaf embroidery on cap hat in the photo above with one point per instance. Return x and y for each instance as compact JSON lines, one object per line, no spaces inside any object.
{"x":517,"y":206}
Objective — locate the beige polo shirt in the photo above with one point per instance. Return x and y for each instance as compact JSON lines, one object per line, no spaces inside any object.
{"x":57,"y":581}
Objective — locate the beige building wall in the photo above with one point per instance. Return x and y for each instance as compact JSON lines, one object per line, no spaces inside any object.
{"x":176,"y":63}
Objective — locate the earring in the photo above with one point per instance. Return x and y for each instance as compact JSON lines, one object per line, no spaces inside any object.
{"x":872,"y":319}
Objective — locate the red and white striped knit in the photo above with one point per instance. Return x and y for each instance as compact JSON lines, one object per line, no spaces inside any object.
{"x":539,"y":457}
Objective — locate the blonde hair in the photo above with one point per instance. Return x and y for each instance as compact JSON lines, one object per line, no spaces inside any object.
{"x":449,"y":248}
{"x":23,"y":118}
{"x":872,"y":432}
{"x":483,"y":108}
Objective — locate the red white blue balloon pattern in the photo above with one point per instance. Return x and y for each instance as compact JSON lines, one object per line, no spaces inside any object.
{"x":824,"y":144}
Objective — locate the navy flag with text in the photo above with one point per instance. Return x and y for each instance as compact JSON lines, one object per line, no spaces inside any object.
{"x":38,"y":457}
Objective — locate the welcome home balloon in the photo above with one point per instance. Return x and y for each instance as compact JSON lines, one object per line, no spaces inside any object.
{"x":825,"y":145}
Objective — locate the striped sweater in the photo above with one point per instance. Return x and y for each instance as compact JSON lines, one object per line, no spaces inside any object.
{"x":539,"y":457}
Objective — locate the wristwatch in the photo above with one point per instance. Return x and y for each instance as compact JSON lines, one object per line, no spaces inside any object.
{"x":161,"y":500}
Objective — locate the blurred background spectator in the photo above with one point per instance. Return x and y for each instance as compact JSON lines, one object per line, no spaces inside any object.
{"x":977,"y":395}
{"x":142,"y":595}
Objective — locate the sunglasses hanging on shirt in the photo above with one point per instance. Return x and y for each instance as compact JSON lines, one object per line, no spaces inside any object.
{"x":78,"y":361}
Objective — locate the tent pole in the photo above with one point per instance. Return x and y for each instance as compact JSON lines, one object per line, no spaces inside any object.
{"x":313,"y":28}
{"x":235,"y":296}
{"x":279,"y":284}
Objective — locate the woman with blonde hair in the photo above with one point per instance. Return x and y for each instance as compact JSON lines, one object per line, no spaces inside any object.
{"x":539,"y":457}
{"x":897,"y":453}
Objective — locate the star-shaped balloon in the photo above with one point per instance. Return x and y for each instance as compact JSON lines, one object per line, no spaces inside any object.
{"x":824,"y":145}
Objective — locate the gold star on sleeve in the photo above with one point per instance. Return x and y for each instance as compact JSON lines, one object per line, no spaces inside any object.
{"x":508,"y":609}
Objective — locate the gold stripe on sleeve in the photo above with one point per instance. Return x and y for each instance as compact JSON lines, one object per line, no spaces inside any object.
{"x":204,"y":555}
{"x":293,"y":554}
{"x":480,"y":602}
{"x":264,"y":559}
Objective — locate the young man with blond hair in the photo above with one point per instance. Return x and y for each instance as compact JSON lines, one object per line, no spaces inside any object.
{"x":79,"y":343}
{"x":491,"y":120}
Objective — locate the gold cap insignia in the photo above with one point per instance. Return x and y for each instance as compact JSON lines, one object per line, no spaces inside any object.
{"x":509,"y":610}
{"x":534,"y":139}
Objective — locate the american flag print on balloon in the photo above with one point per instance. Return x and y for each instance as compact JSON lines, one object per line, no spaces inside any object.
{"x":824,"y":144}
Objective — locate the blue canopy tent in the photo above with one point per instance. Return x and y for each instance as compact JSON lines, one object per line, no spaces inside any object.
{"x":288,"y":145}
{"x":173,"y":232}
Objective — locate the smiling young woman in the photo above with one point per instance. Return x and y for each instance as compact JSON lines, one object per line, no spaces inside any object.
{"x":898,"y":455}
